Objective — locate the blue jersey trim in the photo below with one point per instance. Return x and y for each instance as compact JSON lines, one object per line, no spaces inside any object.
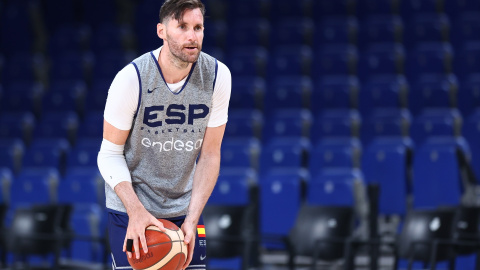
{"x":139,"y":89}
{"x":161,"y":74}
{"x":216,"y":70}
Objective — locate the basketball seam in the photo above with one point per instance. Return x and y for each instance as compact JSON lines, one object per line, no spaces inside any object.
{"x":157,"y":244}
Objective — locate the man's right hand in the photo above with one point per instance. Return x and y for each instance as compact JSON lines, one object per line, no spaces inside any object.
{"x":138,"y":221}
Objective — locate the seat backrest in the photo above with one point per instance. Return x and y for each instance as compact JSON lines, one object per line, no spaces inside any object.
{"x":436,"y":174}
{"x":227,"y":221}
{"x":34,"y":229}
{"x":322,"y":229}
{"x":385,"y":162}
{"x":280,"y":197}
{"x":428,"y":226}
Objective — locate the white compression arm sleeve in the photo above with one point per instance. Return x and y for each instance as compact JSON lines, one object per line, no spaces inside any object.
{"x":112,"y":164}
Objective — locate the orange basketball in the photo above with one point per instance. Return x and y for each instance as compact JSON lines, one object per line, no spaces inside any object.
{"x":166,"y":250}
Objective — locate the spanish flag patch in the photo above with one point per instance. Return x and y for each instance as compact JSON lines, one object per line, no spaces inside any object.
{"x":201,"y":230}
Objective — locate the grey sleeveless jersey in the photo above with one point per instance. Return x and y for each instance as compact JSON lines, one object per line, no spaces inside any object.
{"x":166,"y":136}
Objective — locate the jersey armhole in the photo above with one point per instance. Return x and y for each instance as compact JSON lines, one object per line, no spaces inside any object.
{"x":139,"y":89}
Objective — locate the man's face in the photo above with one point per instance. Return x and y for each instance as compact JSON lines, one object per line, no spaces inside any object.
{"x":184,"y":38}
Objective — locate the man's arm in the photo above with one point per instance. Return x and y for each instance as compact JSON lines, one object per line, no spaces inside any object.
{"x":139,"y":217}
{"x":204,"y":180}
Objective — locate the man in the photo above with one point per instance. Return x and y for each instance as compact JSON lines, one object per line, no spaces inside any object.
{"x":164,"y":110}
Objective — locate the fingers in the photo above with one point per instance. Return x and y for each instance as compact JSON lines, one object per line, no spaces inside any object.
{"x":159,"y":224}
{"x":135,"y":246}
{"x":190,"y":242}
{"x":143,"y":242}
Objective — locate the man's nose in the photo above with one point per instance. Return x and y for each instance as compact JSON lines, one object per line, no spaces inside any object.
{"x":191,"y":35}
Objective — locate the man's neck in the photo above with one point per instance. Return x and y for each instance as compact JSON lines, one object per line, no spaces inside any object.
{"x":173,"y":70}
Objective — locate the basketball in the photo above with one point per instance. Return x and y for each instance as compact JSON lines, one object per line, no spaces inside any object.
{"x":166,"y":250}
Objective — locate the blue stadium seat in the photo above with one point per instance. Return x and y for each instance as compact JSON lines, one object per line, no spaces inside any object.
{"x":11,"y":154}
{"x":370,"y":7}
{"x":433,"y":57}
{"x":427,"y":27}
{"x":336,"y":123}
{"x":20,"y":38}
{"x":386,"y":122}
{"x":421,"y":6}
{"x":292,"y":31}
{"x":380,"y":29}
{"x":385,"y":162}
{"x":68,"y":37}
{"x":287,"y":123}
{"x":459,"y":8}
{"x":6,"y":178}
{"x":465,"y":27}
{"x":436,"y":174}
{"x":96,"y":13}
{"x":247,"y":92}
{"x":244,"y":123}
{"x":109,"y":63}
{"x":91,"y":126}
{"x":86,"y":221}
{"x":436,"y":122}
{"x":288,"y":92}
{"x":22,"y":96}
{"x":248,"y":61}
{"x":34,"y":186}
{"x":288,"y":60}
{"x":467,"y":60}
{"x":25,"y":67}
{"x":109,"y":36}
{"x":380,"y":59}
{"x":81,"y":186}
{"x":471,"y":132}
{"x":215,"y":34}
{"x":69,"y":66}
{"x":234,"y":187}
{"x":335,"y":59}
{"x":327,"y":8}
{"x":334,"y":187}
{"x":335,"y":92}
{"x":17,"y":125}
{"x":285,"y":8}
{"x":280,"y":199}
{"x":383,"y":91}
{"x":84,"y":153}
{"x":247,"y":9}
{"x":64,"y":96}
{"x":46,"y":153}
{"x":433,"y":91}
{"x":249,"y":31}
{"x":333,"y":30}
{"x":335,"y":153}
{"x":240,"y":153}
{"x":469,"y":94}
{"x":97,"y":95}
{"x":146,"y":13}
{"x":55,"y":125}
{"x":284,"y":153}
{"x":216,"y":52}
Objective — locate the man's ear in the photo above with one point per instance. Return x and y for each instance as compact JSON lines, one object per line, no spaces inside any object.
{"x":161,"y":30}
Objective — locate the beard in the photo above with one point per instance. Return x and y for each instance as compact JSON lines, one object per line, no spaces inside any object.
{"x":177,"y":50}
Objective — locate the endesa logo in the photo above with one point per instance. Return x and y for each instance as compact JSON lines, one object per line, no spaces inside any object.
{"x":172,"y":144}
{"x":175,"y":114}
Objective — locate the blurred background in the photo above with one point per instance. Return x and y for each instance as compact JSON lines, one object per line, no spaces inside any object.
{"x":353,"y":132}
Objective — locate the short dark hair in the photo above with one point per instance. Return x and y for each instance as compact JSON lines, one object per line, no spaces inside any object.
{"x":176,"y":8}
